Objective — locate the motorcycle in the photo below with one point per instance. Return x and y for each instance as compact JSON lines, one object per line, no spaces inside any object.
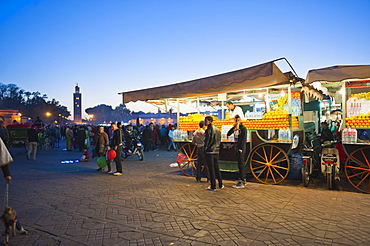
{"x":307,"y":165}
{"x":137,"y":148}
{"x":330,"y":164}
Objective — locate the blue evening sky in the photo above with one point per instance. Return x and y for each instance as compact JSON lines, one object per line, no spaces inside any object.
{"x":110,"y":46}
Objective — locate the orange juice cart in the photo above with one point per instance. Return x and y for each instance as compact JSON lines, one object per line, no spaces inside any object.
{"x":269,"y":138}
{"x":351,"y":85}
{"x":271,"y":125}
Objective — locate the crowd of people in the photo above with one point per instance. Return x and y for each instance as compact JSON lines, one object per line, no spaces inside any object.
{"x":153,"y":137}
{"x":85,"y":138}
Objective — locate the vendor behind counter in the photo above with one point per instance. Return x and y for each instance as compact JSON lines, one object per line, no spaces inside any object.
{"x":234,"y":110}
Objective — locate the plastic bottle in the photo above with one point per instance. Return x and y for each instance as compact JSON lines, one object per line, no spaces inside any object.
{"x":345,"y":135}
{"x":350,"y":135}
{"x":280,"y":135}
{"x":288,"y":135}
{"x":354,"y":136}
{"x":248,"y":135}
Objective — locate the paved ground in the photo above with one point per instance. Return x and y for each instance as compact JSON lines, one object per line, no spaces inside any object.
{"x":153,"y":204}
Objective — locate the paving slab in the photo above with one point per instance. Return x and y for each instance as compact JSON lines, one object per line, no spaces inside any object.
{"x":154,"y":204}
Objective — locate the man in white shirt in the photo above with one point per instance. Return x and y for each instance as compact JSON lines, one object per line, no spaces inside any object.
{"x":234,"y":110}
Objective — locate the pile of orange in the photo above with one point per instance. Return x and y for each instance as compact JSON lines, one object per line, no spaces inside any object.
{"x":220,"y":123}
{"x":191,"y":122}
{"x":358,"y":121}
{"x":188,"y":125}
{"x":295,"y":124}
{"x":365,"y":95}
{"x":271,"y":120}
{"x":296,"y":94}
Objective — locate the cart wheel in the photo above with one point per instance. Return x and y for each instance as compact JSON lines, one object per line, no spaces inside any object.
{"x":269,"y":164}
{"x":188,"y":167}
{"x":357,"y":169}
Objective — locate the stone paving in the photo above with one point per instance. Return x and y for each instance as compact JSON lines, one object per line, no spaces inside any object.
{"x":154,"y":204}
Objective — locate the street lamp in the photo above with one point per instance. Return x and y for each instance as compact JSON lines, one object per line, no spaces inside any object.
{"x":48,"y":114}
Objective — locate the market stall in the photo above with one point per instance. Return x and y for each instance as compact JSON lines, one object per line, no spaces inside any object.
{"x":352,"y":83}
{"x":272,"y":107}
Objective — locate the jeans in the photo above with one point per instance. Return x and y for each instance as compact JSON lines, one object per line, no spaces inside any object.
{"x":171,"y":144}
{"x":117,"y":160}
{"x":214,"y":170}
{"x":201,"y":161}
{"x":32,"y":148}
{"x":241,"y":164}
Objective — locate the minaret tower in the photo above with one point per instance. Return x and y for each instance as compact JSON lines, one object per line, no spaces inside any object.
{"x":77,"y":115}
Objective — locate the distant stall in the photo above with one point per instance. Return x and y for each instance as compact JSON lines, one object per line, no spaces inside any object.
{"x":352,"y":85}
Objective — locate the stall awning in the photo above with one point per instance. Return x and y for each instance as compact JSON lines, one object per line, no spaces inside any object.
{"x":264,"y":75}
{"x":338,"y":73}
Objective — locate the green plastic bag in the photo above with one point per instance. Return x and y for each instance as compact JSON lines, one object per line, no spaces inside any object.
{"x":102,"y":162}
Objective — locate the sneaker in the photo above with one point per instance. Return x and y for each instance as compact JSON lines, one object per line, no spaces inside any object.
{"x":109,"y":171}
{"x":223,"y":186}
{"x":117,"y":174}
{"x":210,"y":189}
{"x":239,"y":185}
{"x":100,"y":169}
{"x":23,"y":231}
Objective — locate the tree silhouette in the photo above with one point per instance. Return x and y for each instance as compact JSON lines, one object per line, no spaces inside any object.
{"x":31,"y":104}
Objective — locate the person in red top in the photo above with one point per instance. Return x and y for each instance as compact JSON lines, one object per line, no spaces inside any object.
{"x":85,"y":156}
{"x":154,"y":137}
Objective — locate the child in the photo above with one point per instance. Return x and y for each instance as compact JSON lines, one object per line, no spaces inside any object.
{"x":85,"y":156}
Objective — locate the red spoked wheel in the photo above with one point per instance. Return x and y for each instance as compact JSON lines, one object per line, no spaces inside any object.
{"x":357,"y":169}
{"x":188,"y":165}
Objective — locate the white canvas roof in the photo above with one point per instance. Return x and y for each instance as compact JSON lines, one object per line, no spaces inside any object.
{"x":338,"y":73}
{"x":264,"y":75}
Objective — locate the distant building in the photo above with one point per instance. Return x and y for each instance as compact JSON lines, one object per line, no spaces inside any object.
{"x":159,"y":118}
{"x":77,"y":112}
{"x":9,"y":116}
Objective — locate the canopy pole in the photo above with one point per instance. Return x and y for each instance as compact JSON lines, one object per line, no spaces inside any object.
{"x":165,"y":105}
{"x":290,"y":107}
{"x":344,"y":106}
{"x":222,"y":111}
{"x":198,"y":104}
{"x":178,"y":113}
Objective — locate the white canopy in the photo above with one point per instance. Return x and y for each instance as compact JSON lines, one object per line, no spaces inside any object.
{"x":338,"y":73}
{"x":264,"y":75}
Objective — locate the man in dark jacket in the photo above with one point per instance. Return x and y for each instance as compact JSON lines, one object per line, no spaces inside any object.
{"x":116,"y":144}
{"x":326,"y":134}
{"x":147,"y":136}
{"x":81,"y":138}
{"x":240,"y":136}
{"x":212,"y":148}
{"x":33,"y":139}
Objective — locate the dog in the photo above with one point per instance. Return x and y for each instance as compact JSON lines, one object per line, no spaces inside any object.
{"x":11,"y":223}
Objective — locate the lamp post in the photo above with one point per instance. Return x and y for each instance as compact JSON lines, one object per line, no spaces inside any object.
{"x":48,"y":114}
{"x":91,"y":116}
